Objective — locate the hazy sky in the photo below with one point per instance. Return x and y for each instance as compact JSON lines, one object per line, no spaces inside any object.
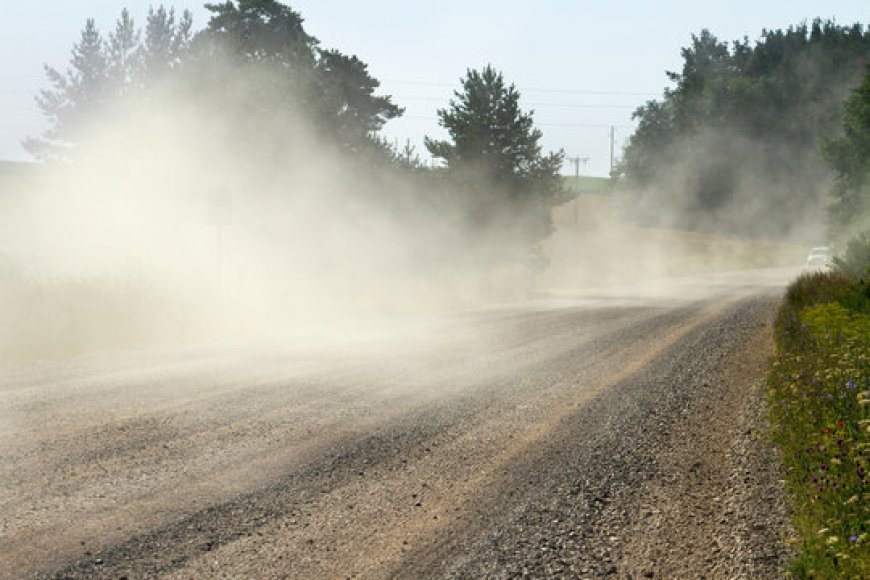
{"x":582,"y":66}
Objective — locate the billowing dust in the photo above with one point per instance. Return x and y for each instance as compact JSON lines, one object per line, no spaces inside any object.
{"x":180,"y":223}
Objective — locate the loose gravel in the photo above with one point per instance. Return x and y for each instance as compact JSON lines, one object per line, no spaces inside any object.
{"x":627,"y":441}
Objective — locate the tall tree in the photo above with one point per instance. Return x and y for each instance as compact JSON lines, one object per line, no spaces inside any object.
{"x":335,"y":92}
{"x":165,"y":41}
{"x":123,"y":54}
{"x":262,"y":30}
{"x":849,"y":156}
{"x":75,"y":96}
{"x":737,"y":135}
{"x":494,"y":156}
{"x":354,"y":111}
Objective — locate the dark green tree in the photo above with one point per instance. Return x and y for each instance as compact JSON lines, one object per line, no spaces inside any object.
{"x":335,"y":92}
{"x":737,"y":135}
{"x":351,"y":105}
{"x":261,"y":30}
{"x":849,"y":157}
{"x":494,"y":158}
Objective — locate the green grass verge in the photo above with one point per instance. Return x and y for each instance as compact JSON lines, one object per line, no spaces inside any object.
{"x":819,"y":404}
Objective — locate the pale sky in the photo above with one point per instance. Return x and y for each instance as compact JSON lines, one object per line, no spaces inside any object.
{"x":582,"y":66}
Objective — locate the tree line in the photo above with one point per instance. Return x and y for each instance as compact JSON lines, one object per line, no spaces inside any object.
{"x":736,"y":143}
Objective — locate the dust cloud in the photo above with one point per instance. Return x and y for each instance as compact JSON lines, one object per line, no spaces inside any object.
{"x":723,"y":181}
{"x":202,"y":219}
{"x":194,"y":219}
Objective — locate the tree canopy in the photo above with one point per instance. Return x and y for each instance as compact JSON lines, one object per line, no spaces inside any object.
{"x":741,"y":128}
{"x":264,"y":36}
{"x":101,"y":72}
{"x":849,"y":157}
{"x":495,"y":160}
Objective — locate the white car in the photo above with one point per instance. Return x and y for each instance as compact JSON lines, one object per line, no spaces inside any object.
{"x":819,"y":257}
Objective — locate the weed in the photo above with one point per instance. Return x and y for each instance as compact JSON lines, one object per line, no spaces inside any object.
{"x":819,"y":398}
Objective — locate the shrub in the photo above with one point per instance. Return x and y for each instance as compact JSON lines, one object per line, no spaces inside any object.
{"x":855,"y":261}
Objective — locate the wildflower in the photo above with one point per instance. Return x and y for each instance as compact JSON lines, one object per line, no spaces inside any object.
{"x":853,"y":538}
{"x":822,"y":532}
{"x":841,"y":424}
{"x":833,"y":540}
{"x":850,"y":384}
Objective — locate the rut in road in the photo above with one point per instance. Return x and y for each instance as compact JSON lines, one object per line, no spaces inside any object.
{"x":644,"y":481}
{"x":535,"y":465}
{"x":122,"y":448}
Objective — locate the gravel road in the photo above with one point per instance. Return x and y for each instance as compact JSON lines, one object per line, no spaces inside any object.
{"x":581,"y":435}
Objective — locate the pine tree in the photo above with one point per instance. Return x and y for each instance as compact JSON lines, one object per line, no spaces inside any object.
{"x":123,"y":54}
{"x":165,"y":41}
{"x":495,"y":159}
{"x":75,"y":97}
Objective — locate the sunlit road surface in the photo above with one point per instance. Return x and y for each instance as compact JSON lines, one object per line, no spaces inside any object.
{"x":354,"y":449}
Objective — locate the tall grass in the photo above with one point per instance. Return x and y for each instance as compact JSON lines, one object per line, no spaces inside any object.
{"x":819,"y":397}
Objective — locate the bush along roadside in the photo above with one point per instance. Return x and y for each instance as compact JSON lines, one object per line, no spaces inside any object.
{"x":819,"y":400}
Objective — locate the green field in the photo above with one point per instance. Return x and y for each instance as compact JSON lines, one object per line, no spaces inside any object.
{"x":587,"y":184}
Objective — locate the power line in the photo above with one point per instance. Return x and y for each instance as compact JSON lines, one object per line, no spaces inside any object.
{"x":532,"y":90}
{"x":568,"y":105}
{"x":582,"y":125}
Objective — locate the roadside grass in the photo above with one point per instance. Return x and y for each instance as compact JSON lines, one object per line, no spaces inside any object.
{"x":819,"y":401}
{"x":588,"y":184}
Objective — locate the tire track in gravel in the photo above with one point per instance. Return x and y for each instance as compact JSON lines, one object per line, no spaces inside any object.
{"x":315,"y":494}
{"x":116,"y":477}
{"x":496,"y":481}
{"x":640,"y":482}
{"x":443,"y":464}
{"x":448,"y":452}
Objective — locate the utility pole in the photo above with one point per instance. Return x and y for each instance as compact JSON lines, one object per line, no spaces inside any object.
{"x":576,"y":161}
{"x":612,"y":139}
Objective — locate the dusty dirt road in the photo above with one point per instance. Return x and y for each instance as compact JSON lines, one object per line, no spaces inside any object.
{"x":577,"y":436}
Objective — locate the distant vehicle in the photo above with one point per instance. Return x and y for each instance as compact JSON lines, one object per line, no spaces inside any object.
{"x":819,"y":257}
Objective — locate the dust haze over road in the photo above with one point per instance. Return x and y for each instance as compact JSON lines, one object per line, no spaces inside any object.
{"x":239,"y":343}
{"x":554,"y":436}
